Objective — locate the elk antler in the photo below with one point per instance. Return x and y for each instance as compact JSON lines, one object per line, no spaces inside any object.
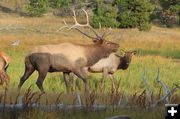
{"x":76,"y":25}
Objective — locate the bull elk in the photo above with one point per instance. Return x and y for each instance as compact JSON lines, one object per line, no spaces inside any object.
{"x":4,"y":63}
{"x":109,"y":66}
{"x":68,"y":57}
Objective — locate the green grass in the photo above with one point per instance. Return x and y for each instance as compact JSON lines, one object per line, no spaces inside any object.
{"x":169,"y":54}
{"x":156,"y":49}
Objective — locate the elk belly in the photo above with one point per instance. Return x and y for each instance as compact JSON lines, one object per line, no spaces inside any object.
{"x":59,"y":62}
{"x":98,"y":67}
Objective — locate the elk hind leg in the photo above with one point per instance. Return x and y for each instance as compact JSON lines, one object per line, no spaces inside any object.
{"x":28,"y":71}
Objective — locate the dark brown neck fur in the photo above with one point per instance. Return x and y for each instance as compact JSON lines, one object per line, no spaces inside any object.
{"x":123,"y":63}
{"x":95,"y":52}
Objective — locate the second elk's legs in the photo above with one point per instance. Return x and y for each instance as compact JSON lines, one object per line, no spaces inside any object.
{"x":66,"y":79}
{"x":112,"y":80}
{"x":74,"y":81}
{"x":104,"y":75}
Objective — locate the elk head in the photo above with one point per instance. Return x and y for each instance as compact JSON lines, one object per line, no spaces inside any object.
{"x":97,"y":39}
{"x":125,"y":59}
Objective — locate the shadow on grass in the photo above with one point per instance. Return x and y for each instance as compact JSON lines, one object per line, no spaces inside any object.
{"x":83,"y":114}
{"x":10,"y":11}
{"x":170,"y":54}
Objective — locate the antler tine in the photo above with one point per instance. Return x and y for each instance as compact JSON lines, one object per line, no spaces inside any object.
{"x":65,"y":22}
{"x":87,"y":17}
{"x":84,"y":33}
{"x":74,"y":17}
{"x":88,"y":24}
{"x":78,"y":24}
{"x":105,"y":34}
{"x":84,"y":25}
{"x":66,"y":26}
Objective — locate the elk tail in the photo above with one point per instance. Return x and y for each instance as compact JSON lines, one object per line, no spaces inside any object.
{"x":28,"y":61}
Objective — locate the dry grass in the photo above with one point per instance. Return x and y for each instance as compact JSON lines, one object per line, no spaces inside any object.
{"x":164,"y":42}
{"x":156,"y":39}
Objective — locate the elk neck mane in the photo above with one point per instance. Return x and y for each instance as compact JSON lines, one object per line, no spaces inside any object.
{"x":95,"y":52}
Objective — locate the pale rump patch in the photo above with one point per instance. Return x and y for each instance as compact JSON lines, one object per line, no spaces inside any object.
{"x":2,"y":63}
{"x":6,"y":58}
{"x":4,"y":77}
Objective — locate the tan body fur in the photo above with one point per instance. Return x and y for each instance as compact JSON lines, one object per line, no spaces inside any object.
{"x":4,"y":62}
{"x":111,"y":63}
{"x":6,"y":58}
{"x":67,"y":49}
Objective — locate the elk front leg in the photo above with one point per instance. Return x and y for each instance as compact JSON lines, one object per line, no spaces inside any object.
{"x":82,"y":73}
{"x":41,"y":77}
{"x":104,"y":75}
{"x":112,"y":80}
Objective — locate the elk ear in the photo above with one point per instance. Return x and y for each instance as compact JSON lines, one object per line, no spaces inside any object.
{"x":133,"y":53}
{"x":123,"y":53}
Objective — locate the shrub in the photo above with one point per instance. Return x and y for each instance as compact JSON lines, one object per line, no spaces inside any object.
{"x":134,"y":13}
{"x":145,"y":27}
{"x":171,"y":9}
{"x":60,"y":3}
{"x":105,"y":13}
{"x":37,"y":7}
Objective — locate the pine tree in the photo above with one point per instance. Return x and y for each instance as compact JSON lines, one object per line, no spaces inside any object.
{"x":134,"y":13}
{"x":171,"y":9}
{"x":105,"y":14}
{"x":60,"y":3}
{"x":37,"y":7}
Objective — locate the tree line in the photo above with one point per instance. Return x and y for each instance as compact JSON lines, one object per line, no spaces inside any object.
{"x":115,"y":13}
